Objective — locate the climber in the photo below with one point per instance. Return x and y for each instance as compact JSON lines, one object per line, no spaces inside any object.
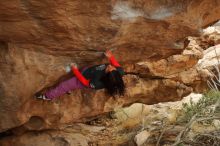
{"x":108,"y":76}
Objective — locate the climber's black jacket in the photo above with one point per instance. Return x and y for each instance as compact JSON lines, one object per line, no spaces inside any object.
{"x":91,"y":77}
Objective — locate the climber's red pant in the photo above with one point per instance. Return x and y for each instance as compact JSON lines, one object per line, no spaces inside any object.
{"x":65,"y":87}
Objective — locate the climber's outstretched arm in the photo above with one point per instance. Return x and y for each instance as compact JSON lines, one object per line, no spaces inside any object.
{"x":112,"y":59}
{"x":79,"y":76}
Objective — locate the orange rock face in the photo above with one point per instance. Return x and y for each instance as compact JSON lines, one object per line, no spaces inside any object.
{"x":38,"y":38}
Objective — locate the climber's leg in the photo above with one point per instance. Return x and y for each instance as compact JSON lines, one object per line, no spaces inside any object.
{"x":64,"y":87}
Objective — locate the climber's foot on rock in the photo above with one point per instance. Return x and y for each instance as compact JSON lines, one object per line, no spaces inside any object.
{"x":41,"y":96}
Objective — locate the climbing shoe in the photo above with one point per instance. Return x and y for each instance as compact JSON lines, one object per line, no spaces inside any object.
{"x":41,"y":96}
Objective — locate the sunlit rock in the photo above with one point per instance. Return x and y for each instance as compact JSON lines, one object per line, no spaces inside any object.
{"x":39,"y":38}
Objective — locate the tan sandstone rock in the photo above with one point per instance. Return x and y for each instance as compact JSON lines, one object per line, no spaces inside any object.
{"x":38,"y":38}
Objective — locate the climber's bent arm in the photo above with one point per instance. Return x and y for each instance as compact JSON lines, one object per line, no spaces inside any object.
{"x":113,"y":61}
{"x":80,"y":77}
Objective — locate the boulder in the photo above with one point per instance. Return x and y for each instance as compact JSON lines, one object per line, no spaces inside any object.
{"x":142,"y":137}
{"x":39,"y":38}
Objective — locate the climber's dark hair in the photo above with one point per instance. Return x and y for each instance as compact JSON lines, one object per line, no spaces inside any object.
{"x":114,"y":83}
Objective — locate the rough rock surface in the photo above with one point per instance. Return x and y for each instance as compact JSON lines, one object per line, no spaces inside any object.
{"x":130,"y":125}
{"x":40,"y":37}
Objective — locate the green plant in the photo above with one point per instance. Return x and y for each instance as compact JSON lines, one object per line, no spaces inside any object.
{"x":206,"y":106}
